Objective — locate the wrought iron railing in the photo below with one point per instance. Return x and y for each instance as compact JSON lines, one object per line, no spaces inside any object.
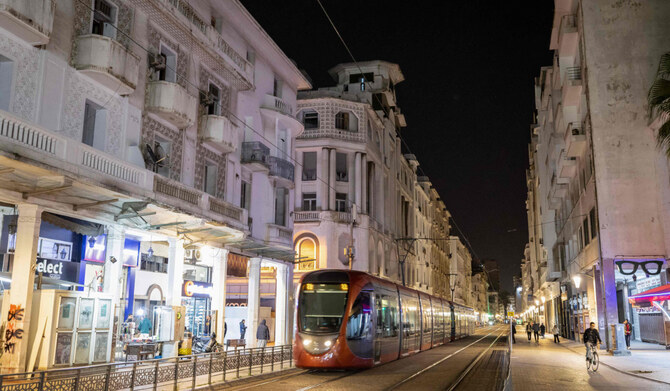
{"x":184,"y":372}
{"x":255,"y":152}
{"x":281,"y":168}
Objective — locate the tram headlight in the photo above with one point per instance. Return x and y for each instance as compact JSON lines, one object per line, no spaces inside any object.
{"x":306,"y":342}
{"x":328,"y":343}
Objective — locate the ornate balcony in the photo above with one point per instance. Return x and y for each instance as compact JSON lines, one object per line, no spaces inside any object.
{"x":30,"y":20}
{"x":172,"y":102}
{"x":277,"y":104}
{"x":281,"y":168}
{"x":219,"y":132}
{"x":107,"y":62}
{"x":276,"y":109}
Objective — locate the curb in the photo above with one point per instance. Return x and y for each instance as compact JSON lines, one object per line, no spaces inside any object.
{"x":619,"y":370}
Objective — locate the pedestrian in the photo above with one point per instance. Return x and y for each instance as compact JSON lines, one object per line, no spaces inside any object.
{"x":225,"y":330}
{"x":556,"y":333}
{"x":542,"y":330}
{"x":243,"y":329}
{"x":536,"y":332}
{"x":208,"y":325}
{"x":262,"y":334}
{"x":628,"y":329}
{"x":529,"y":330}
{"x":513,"y":331}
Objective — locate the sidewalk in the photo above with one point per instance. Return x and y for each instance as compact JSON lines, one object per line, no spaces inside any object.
{"x":550,"y":366}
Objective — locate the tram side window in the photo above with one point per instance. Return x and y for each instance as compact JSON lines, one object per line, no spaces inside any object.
{"x":427,"y":323}
{"x":389,"y":316}
{"x":412,"y":320}
{"x":359,"y":326}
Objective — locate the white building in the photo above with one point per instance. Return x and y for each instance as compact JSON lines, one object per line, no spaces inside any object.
{"x":127,"y":129}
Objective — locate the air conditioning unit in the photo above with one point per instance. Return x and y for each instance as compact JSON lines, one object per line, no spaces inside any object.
{"x":193,"y":254}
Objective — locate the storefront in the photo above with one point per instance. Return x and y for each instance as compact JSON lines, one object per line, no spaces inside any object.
{"x":197,"y":302}
{"x":653,"y":308}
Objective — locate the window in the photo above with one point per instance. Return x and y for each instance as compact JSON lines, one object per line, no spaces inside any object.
{"x":169,"y":72}
{"x":580,"y":238}
{"x":341,"y":167}
{"x":154,"y":263}
{"x":197,"y":272}
{"x":306,"y":254}
{"x":277,"y":87}
{"x":95,"y":124}
{"x":104,"y":19}
{"x":309,"y":166}
{"x":6,"y":76}
{"x":309,"y":201}
{"x":587,"y":237}
{"x":214,"y":100}
{"x":360,"y":327}
{"x":211,"y":176}
{"x":340,"y":202}
{"x":281,"y":201}
{"x":245,"y":195}
{"x":321,"y":307}
{"x":594,"y":226}
{"x":361,"y":77}
{"x":310,"y":119}
{"x":342,"y":120}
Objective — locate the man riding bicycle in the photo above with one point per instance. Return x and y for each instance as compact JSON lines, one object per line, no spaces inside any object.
{"x":591,"y":339}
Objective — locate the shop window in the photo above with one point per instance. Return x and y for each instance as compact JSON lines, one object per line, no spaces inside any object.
{"x":104,"y":19}
{"x":95,"y":125}
{"x":309,"y":166}
{"x":211,"y":176}
{"x":245,"y":195}
{"x":6,"y":76}
{"x":309,"y":201}
{"x":341,"y":202}
{"x":341,"y":174}
{"x":198,"y":273}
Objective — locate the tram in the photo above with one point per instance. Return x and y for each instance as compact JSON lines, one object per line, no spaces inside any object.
{"x":349,"y":319}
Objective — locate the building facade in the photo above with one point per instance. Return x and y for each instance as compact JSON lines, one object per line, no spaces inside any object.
{"x":145,"y":150}
{"x":597,"y":182}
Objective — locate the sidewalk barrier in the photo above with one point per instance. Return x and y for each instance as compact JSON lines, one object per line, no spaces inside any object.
{"x":507,"y":366}
{"x":183,"y":372}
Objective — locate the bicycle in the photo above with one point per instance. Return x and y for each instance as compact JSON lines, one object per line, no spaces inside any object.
{"x":593,"y":362}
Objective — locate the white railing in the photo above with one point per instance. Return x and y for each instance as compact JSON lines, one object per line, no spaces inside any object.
{"x":225,"y":209}
{"x":333,"y":133}
{"x":109,"y":165}
{"x":218,"y":129}
{"x":306,"y":216}
{"x":172,"y":102}
{"x":277,"y":104}
{"x":103,"y":58}
{"x":15,"y":130}
{"x":175,"y":189}
{"x":279,"y":233}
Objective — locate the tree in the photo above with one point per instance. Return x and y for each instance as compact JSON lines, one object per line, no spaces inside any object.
{"x":659,"y":102}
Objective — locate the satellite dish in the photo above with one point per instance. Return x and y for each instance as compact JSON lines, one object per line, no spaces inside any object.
{"x":156,"y":156}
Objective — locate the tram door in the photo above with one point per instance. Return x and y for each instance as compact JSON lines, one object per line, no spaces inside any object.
{"x":379,"y":329}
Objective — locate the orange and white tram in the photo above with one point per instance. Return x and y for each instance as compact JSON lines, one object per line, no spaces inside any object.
{"x":350,"y":319}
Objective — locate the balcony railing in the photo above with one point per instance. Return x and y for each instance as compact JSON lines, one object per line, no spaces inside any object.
{"x":30,"y":20}
{"x":108,"y":62}
{"x":172,"y":102}
{"x":277,"y":233}
{"x":274,"y":103}
{"x":281,"y":168}
{"x":304,"y":216}
{"x":255,"y":152}
{"x":176,"y":190}
{"x":183,"y":372}
{"x":333,"y":133}
{"x":219,"y":131}
{"x":574,"y":73}
{"x":225,"y":209}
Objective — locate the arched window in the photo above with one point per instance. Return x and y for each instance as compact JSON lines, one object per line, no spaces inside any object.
{"x":307,"y":253}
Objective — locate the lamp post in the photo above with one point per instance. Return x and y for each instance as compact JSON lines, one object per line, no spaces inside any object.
{"x":452,"y":286}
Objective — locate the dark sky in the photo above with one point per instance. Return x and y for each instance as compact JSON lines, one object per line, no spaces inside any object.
{"x":467,"y":95}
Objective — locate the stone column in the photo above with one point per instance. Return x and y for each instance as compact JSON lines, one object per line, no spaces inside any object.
{"x":331,"y":180}
{"x":220,"y":259}
{"x":113,"y":271}
{"x":282,"y":305}
{"x":175,"y":271}
{"x":253,"y":301}
{"x":358,"y":184}
{"x":609,"y":299}
{"x":17,"y":317}
{"x":364,"y":184}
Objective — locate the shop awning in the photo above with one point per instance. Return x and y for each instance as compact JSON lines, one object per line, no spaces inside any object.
{"x":660,"y":293}
{"x":74,"y":225}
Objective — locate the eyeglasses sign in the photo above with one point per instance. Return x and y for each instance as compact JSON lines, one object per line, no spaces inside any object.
{"x":629,"y":268}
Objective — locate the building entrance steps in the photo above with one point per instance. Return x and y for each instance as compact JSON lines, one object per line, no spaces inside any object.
{"x":550,"y":366}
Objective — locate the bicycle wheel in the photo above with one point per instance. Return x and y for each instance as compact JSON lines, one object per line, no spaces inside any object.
{"x":596,"y":362}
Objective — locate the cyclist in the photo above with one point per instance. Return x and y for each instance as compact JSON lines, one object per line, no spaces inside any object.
{"x":591,"y":339}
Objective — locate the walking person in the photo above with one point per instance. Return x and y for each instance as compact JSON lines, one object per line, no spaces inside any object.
{"x":243,"y":329}
{"x":542,"y":330}
{"x":536,"y":332}
{"x":556,"y":332}
{"x":262,"y":334}
{"x":513,"y":331}
{"x":628,"y":330}
{"x":529,"y":330}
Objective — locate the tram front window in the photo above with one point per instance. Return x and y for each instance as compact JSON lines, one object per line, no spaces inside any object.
{"x":322,"y":307}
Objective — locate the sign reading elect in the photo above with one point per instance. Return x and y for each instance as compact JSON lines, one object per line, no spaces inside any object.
{"x":59,"y":270}
{"x":197,"y":289}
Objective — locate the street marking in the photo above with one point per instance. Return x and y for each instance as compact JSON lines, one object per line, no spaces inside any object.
{"x":437,"y":363}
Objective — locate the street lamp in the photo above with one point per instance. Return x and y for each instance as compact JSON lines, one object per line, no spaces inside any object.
{"x":577,"y":279}
{"x":452,"y":286}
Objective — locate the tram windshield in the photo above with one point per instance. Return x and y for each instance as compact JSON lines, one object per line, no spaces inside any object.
{"x":322,"y":307}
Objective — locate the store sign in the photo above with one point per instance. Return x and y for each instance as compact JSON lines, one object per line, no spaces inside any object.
{"x":58,"y":270}
{"x":644,"y":284}
{"x":197,"y":289}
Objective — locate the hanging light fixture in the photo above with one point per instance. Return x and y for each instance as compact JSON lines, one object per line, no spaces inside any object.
{"x":577,"y":279}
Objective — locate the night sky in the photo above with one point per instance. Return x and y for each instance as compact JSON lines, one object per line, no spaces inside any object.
{"x":467,"y":95}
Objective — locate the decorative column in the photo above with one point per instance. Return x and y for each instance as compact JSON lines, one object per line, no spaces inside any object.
{"x":282,"y":305}
{"x":331,"y":180}
{"x":219,"y":258}
{"x":322,"y":184}
{"x":357,"y":167}
{"x":364,"y":183}
{"x":253,"y":301}
{"x":18,"y":301}
{"x":112,"y":282}
{"x":175,"y":271}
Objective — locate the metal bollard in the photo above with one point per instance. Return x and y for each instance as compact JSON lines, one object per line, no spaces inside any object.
{"x":209,"y":376}
{"x":251,"y":359}
{"x":132,"y":377}
{"x":156,"y":376}
{"x":108,"y":376}
{"x":195,"y":363}
{"x":237,"y":353}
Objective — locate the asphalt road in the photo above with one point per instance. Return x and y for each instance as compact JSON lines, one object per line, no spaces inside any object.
{"x":436,"y":369}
